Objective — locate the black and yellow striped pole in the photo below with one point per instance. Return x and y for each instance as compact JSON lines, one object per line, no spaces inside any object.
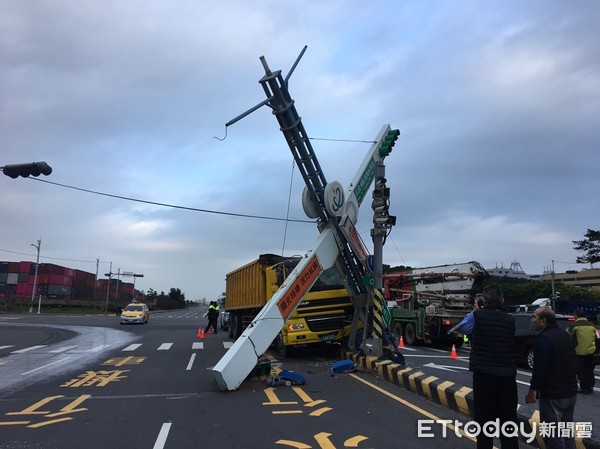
{"x":378,"y":322}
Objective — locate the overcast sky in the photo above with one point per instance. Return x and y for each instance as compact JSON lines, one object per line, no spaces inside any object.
{"x":498,"y":104}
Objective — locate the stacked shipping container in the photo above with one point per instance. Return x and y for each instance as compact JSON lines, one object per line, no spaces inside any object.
{"x":57,"y":283}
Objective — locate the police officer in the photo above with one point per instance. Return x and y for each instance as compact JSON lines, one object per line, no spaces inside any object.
{"x":212,"y":313}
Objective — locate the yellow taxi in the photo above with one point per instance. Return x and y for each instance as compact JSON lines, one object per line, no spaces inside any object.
{"x":136,"y":312}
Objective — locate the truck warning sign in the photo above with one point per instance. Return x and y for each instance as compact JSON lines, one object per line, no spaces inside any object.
{"x":300,"y":287}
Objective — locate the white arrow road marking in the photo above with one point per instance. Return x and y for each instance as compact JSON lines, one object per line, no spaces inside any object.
{"x":447,"y":367}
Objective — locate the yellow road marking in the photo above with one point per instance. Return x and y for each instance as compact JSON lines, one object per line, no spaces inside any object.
{"x":294,"y":444}
{"x":409,"y":405}
{"x":320,"y":411}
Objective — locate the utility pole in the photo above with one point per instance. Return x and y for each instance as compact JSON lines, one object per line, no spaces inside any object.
{"x":117,"y":288}
{"x":109,"y":274}
{"x":553,"y":299}
{"x":37,"y":263}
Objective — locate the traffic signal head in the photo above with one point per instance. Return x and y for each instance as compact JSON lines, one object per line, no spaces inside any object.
{"x":380,"y":190}
{"x":388,"y":142}
{"x":25,"y":170}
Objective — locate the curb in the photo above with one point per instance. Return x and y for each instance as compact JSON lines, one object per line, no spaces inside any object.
{"x":448,"y":394}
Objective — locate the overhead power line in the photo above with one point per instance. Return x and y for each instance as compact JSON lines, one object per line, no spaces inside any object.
{"x":174,"y":206}
{"x":52,"y":258}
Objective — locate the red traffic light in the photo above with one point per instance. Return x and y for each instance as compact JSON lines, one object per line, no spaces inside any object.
{"x":25,"y":170}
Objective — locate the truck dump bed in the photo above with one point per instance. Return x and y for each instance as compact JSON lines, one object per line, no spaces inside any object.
{"x":245,"y":287}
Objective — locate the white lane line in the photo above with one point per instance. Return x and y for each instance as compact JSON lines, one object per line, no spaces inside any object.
{"x":45,"y":366}
{"x":132,"y":347}
{"x":227,"y":344}
{"x":198,"y":345}
{"x":62,"y":349}
{"x":191,"y":362}
{"x":98,"y":348}
{"x":6,"y":347}
{"x":31,"y":348}
{"x":162,"y":436}
{"x":165,"y":347}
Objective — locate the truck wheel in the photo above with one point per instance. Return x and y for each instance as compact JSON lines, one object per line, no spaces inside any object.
{"x":236,"y":325}
{"x":230,"y":327}
{"x":410,"y":334}
{"x":397,"y":332}
{"x":282,"y":350}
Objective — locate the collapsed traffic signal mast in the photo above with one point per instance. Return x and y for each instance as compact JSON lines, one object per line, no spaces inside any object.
{"x":338,"y":244}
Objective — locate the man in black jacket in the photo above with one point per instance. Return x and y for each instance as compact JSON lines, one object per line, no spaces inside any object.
{"x":554,"y":378}
{"x":492,"y":362}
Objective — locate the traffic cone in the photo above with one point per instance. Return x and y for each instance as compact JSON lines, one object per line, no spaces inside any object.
{"x":200,"y":333}
{"x":453,"y":354}
{"x":401,"y":345}
{"x":209,"y":331}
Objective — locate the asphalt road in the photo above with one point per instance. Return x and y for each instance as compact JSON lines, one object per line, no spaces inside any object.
{"x":72,"y":382}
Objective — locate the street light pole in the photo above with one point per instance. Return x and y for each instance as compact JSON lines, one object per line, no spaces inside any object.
{"x":117,"y":288}
{"x":37,"y":262}
{"x":135,"y":275}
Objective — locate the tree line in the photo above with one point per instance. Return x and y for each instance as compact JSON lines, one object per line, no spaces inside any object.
{"x":175,"y":299}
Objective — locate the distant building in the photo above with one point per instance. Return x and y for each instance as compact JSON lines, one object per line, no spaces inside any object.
{"x":515,"y":271}
{"x":587,"y":278}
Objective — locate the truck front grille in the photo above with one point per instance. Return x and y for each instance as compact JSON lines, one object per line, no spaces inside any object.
{"x":330,"y":323}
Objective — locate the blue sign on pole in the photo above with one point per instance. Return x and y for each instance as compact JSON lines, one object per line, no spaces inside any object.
{"x":371,"y":263}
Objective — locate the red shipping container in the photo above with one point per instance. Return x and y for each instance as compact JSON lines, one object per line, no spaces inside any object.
{"x":70,"y":272}
{"x":78,"y":282}
{"x":13,"y":267}
{"x":57,"y":279}
{"x":43,"y":278}
{"x":21,"y":288}
{"x":24,"y":267}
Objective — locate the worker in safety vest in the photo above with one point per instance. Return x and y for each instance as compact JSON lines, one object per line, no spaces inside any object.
{"x":213,"y":314}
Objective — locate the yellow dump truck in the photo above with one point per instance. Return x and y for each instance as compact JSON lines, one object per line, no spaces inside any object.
{"x":324,"y":315}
